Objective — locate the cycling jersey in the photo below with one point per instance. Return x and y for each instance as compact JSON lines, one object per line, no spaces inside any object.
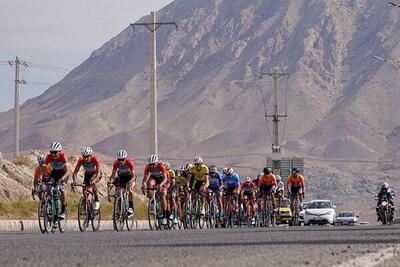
{"x":215,"y":181}
{"x":297,"y":181}
{"x":267,"y":179}
{"x":156,"y":172}
{"x":280,"y":187}
{"x":248,"y":188}
{"x":42,"y":172}
{"x":231,"y":181}
{"x":181,"y":180}
{"x":124,"y":168}
{"x":171,"y":175}
{"x":91,"y":166}
{"x":57,"y":164}
{"x":199,"y":175}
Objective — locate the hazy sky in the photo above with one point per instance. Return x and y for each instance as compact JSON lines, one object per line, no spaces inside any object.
{"x":59,"y":33}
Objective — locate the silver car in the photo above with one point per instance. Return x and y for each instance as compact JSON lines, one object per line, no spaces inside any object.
{"x":346,"y":218}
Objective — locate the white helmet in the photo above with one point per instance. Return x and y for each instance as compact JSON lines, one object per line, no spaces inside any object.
{"x":87,"y":151}
{"x":248,"y":179}
{"x":167,"y":165}
{"x":198,"y":160}
{"x":40,"y":158}
{"x":55,"y":146}
{"x":278,"y":178}
{"x":122,"y":154}
{"x":188,"y":167}
{"x":224,"y":170}
{"x":153,"y":159}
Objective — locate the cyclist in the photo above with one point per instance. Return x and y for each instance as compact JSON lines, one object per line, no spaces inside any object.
{"x":59,"y":172}
{"x":267,"y":184}
{"x":123,"y":173}
{"x":198,"y":179}
{"x":42,"y":173}
{"x":247,"y":193}
{"x":172,"y":193}
{"x":280,"y":190}
{"x":231,"y":182}
{"x":295,"y":186}
{"x":92,"y":176}
{"x":387,"y":192}
{"x":155,"y":174}
{"x":215,"y":187}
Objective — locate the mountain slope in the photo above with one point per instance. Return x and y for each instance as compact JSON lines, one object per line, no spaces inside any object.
{"x":341,"y":102}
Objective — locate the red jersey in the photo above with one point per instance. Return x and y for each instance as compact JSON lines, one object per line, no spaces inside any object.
{"x":248,"y":186}
{"x":91,"y":166}
{"x":155,"y":171}
{"x":124,"y":168}
{"x":57,"y":164}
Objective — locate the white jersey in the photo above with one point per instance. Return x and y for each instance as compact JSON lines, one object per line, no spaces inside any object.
{"x":280,"y":186}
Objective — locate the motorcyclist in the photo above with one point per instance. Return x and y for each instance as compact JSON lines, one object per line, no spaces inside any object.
{"x":385,"y":192}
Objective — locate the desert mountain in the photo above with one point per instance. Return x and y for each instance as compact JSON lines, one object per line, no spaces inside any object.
{"x":341,"y":102}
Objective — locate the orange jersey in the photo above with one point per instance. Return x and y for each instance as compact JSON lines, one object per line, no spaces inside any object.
{"x":267,"y":179}
{"x":295,"y":181}
{"x":42,"y":172}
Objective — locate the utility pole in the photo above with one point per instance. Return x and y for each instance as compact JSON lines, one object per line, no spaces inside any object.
{"x":17,"y":81}
{"x":276,"y":149}
{"x":153,"y":27}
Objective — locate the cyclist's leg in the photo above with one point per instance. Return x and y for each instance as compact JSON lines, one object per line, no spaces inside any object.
{"x":219,"y":201}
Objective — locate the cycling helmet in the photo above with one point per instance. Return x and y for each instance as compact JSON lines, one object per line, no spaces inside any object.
{"x":267,"y":170}
{"x":167,"y":165}
{"x":229,"y":171}
{"x":212,"y":169}
{"x":224,"y":170}
{"x":295,"y":170}
{"x":198,"y":160}
{"x":122,"y":154}
{"x":55,"y":147}
{"x":248,"y":179}
{"x":278,"y":178}
{"x":153,"y":159}
{"x":86,"y":151}
{"x":188,"y":167}
{"x":40,"y":158}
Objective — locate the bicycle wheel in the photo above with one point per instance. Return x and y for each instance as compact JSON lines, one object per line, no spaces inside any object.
{"x":96,"y":219}
{"x":202,"y":218}
{"x":131,"y":223}
{"x":62,"y":224}
{"x":152,"y":214}
{"x":83,"y":216}
{"x":41,"y":215}
{"x":186,"y":214}
{"x":118,"y":214}
{"x":211,"y":220}
{"x":49,"y":216}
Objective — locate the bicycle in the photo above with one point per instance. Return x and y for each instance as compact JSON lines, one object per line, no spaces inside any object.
{"x":86,"y":213}
{"x":196,"y":218}
{"x":230,"y":211}
{"x":120,"y":208}
{"x":52,"y":210}
{"x":41,"y":188}
{"x":296,"y":212}
{"x":154,"y":211}
{"x":267,"y":216}
{"x":212,"y":217}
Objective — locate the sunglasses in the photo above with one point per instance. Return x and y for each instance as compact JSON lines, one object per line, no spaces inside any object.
{"x":197,"y":164}
{"x":54,"y":153}
{"x":121,"y":159}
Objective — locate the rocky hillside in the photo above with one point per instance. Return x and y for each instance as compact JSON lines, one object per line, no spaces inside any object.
{"x":341,"y":102}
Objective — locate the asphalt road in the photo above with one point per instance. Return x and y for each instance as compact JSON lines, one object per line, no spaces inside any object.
{"x":279,"y":246}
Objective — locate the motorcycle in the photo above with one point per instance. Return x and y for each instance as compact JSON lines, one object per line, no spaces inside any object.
{"x":385,"y":211}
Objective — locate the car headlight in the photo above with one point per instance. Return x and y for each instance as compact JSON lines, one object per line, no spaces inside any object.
{"x":330,"y":212}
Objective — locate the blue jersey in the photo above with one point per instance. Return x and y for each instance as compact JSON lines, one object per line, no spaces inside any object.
{"x":231,"y":181}
{"x":215,"y":181}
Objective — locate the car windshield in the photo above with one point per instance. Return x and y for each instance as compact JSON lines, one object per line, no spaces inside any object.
{"x":305,"y":205}
{"x":319,"y":205}
{"x":346,"y":214}
{"x":285,"y":203}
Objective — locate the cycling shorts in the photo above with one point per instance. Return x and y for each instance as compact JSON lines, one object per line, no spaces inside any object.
{"x":295,"y":190}
{"x":265,"y":190}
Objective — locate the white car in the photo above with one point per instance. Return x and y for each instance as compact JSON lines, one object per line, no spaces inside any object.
{"x":303,"y":208}
{"x":320,"y":212}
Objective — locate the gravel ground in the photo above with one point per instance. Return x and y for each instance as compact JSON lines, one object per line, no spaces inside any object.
{"x":279,"y":246}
